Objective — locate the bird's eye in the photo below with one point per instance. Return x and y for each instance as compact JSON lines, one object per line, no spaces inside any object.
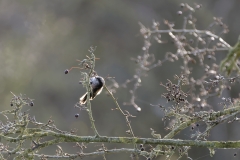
{"x":91,"y":82}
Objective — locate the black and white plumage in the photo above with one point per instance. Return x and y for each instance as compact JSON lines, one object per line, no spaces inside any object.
{"x":97,"y":84}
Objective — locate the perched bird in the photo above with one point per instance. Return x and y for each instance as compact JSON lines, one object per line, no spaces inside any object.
{"x":97,"y":84}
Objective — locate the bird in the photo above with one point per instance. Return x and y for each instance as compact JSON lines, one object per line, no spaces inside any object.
{"x":97,"y":84}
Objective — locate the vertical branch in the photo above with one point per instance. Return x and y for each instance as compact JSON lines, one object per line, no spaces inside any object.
{"x":89,"y":109}
{"x":89,"y":89}
{"x":86,"y":83}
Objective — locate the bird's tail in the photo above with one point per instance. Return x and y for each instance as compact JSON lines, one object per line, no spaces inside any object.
{"x":83,"y":99}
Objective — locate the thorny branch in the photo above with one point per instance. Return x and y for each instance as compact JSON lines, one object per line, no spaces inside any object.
{"x":188,"y":105}
{"x":88,"y":87}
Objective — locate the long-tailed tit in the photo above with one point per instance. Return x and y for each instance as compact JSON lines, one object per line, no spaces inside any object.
{"x":97,"y":84}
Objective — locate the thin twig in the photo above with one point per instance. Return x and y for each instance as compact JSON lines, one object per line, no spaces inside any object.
{"x":208,"y":33}
{"x":119,"y":108}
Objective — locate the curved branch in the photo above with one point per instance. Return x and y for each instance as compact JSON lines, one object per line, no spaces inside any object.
{"x":124,"y":140}
{"x":208,"y":33}
{"x":200,"y":116}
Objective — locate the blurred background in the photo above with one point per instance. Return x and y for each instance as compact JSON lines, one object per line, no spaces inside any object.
{"x":40,"y":39}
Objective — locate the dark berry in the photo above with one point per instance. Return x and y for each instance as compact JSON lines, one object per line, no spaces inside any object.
{"x":173,"y":147}
{"x":31,"y":104}
{"x":235,"y":154}
{"x":66,"y":71}
{"x":142,"y":149}
{"x":11,"y":104}
{"x":141,"y":145}
{"x":148,"y":158}
{"x":76,"y":115}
